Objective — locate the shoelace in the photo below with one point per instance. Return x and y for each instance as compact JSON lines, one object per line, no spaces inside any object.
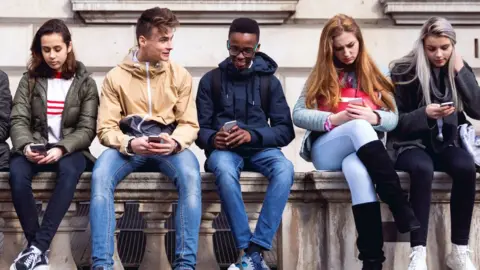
{"x":257,"y":262}
{"x":30,"y":259}
{"x":414,"y":259}
{"x":464,"y":257}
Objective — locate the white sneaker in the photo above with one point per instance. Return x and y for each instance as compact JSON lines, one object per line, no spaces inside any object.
{"x":459,"y":258}
{"x":418,"y":258}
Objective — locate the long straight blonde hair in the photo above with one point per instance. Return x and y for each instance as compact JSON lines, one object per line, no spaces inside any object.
{"x":417,"y":58}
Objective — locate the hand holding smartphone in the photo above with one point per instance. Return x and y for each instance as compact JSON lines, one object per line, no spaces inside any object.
{"x":155,"y":139}
{"x":356,"y":101}
{"x":38,"y":149}
{"x":446,"y":104}
{"x":229,"y":125}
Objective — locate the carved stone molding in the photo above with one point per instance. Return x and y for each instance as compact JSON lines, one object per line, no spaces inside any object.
{"x":188,"y":11}
{"x":411,"y":12}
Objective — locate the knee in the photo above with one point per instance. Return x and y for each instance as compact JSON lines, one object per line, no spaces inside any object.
{"x":224,"y":168}
{"x":189,"y":180}
{"x":102,"y":180}
{"x":464,"y":170}
{"x":19,"y":182}
{"x":70,"y":172}
{"x":360,"y":127}
{"x":283,"y":172}
{"x":422,"y":171}
{"x":356,"y":175}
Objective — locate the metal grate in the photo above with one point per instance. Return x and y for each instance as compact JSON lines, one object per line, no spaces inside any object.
{"x":131,"y":239}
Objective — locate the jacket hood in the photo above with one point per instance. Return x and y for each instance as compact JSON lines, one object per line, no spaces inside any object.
{"x":262,"y":63}
{"x":81,"y":72}
{"x":139,"y":69}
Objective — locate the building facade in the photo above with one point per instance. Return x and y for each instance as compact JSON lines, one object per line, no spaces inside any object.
{"x":103,"y":32}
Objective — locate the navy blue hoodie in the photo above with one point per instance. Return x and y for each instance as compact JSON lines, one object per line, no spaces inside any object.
{"x":240,"y":100}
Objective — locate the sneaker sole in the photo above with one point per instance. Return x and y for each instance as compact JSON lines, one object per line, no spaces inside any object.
{"x":12,"y":267}
{"x":42,"y":267}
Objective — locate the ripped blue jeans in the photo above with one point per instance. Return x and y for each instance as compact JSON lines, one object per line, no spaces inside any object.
{"x":112,"y":167}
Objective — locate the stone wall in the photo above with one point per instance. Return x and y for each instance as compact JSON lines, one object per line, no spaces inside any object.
{"x":317,"y":231}
{"x":200,"y":42}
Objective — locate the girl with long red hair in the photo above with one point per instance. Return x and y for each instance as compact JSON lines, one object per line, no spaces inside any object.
{"x":346,"y":106}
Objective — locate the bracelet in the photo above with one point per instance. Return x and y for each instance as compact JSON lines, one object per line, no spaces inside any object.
{"x":128,"y":148}
{"x":328,"y":126}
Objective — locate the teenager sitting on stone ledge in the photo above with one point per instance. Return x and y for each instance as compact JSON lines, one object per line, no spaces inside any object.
{"x":148,"y":119}
{"x":345,"y":105}
{"x":244,"y":89}
{"x":426,"y":136}
{"x":53,"y":124}
{"x":5,"y":109}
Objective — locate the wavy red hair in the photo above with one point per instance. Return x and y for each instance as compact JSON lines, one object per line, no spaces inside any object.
{"x":323,"y":80}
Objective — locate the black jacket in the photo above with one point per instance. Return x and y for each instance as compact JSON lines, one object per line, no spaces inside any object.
{"x":414,"y":127}
{"x":5,"y":109}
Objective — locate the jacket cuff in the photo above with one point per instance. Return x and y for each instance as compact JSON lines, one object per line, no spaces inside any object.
{"x":123,"y":146}
{"x":254,"y":137}
{"x":179,"y":142}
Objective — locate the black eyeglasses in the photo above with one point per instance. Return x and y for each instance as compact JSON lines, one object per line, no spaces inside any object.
{"x":247,"y":52}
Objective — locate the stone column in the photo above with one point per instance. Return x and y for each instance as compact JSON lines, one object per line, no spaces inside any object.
{"x":60,"y":250}
{"x":13,"y":238}
{"x":155,"y":215}
{"x":206,"y":258}
{"x":117,"y":262}
{"x":253,"y":212}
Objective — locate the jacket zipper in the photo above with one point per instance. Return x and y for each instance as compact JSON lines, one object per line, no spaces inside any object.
{"x":149,"y":93}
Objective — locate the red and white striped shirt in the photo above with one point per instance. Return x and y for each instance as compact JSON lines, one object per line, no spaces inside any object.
{"x":56,"y":94}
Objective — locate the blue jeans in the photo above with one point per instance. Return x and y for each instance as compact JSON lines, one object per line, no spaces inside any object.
{"x":112,"y":167}
{"x":271,"y":163}
{"x":337,"y":149}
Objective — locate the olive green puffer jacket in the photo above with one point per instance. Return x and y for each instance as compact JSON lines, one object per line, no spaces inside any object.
{"x":79,"y":117}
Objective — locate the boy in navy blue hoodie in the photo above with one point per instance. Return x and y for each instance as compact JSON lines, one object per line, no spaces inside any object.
{"x":244,"y":89}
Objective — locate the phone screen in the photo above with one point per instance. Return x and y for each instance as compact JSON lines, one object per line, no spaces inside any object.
{"x":155,"y":139}
{"x":38,"y":148}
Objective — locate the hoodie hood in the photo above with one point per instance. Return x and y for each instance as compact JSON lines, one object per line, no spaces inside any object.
{"x":262,"y":63}
{"x":139,"y":69}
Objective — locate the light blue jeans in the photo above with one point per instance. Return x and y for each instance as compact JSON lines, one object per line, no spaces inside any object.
{"x":336,"y":150}
{"x":271,"y":163}
{"x":112,"y":167}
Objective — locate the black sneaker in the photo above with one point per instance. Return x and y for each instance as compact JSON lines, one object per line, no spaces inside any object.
{"x":27,"y":260}
{"x":43,"y":263}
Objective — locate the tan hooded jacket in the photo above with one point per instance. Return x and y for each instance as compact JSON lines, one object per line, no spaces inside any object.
{"x":162,"y":93}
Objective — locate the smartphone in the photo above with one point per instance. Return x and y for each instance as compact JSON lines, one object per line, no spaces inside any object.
{"x":229,"y":125}
{"x":38,"y":148}
{"x":450,"y":103}
{"x":356,"y":101}
{"x":155,"y":139}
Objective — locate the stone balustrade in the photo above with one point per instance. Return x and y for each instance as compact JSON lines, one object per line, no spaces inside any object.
{"x":317,"y":229}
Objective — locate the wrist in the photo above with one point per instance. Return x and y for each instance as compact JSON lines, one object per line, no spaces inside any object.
{"x":332,"y":119}
{"x":176,"y":147}
{"x":129,"y":148}
{"x":25,"y":148}
{"x":377,"y":119}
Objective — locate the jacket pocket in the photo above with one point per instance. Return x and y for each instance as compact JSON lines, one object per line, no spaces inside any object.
{"x":72,"y":116}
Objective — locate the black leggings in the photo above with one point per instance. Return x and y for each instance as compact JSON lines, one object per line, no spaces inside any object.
{"x":69,"y":169}
{"x":457,"y":163}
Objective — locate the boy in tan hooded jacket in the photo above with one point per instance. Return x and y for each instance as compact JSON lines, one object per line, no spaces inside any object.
{"x":147,"y":96}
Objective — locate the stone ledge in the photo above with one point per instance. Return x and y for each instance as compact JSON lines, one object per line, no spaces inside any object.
{"x":188,"y":11}
{"x":416,"y":12}
{"x":307,"y":186}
